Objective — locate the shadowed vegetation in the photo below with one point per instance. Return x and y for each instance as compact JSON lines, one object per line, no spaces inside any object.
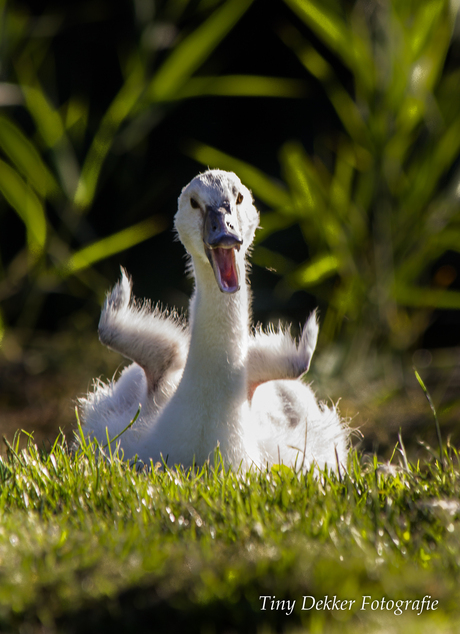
{"x":58,"y":154}
{"x":378,"y":204}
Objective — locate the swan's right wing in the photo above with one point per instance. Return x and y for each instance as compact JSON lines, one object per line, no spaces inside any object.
{"x":154,"y":339}
{"x":275,"y":355}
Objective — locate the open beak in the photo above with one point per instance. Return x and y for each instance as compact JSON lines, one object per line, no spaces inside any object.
{"x":220,"y":241}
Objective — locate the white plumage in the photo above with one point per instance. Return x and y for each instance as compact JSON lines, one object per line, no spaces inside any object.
{"x":213,"y":382}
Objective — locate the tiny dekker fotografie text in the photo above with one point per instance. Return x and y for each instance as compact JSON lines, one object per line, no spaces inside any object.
{"x":366,"y":602}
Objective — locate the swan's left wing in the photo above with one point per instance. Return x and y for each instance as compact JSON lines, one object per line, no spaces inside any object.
{"x":275,"y":355}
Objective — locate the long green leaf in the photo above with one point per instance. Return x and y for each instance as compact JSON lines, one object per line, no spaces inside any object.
{"x":339,"y":36}
{"x":348,"y":113}
{"x":242,"y":86}
{"x":428,"y":14}
{"x":427,"y":297}
{"x":344,"y":105}
{"x":433,"y":409}
{"x":27,"y":205}
{"x":314,"y":271}
{"x":184,"y":59}
{"x":113,"y":244}
{"x":323,"y":22}
{"x":302,"y":177}
{"x":47,"y":119}
{"x":117,"y":112}
{"x":50,"y":127}
{"x":25,"y":156}
{"x":187,"y":56}
{"x":318,"y":221}
{"x":426,"y":171}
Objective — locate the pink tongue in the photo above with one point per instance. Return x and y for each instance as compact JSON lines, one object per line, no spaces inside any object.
{"x":225,"y":260}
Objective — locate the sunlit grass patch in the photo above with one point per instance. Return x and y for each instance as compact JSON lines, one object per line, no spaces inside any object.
{"x":91,"y":541}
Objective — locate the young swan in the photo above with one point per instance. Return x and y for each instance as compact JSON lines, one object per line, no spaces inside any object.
{"x":212,"y":383}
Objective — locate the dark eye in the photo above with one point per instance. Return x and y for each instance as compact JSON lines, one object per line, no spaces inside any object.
{"x":239,"y":198}
{"x":193,"y":203}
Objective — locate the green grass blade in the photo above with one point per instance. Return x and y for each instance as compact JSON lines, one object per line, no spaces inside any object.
{"x":26,"y":203}
{"x":47,"y":119}
{"x":303,"y":179}
{"x":24,"y":155}
{"x":426,"y":19}
{"x":426,"y":297}
{"x":345,"y":107}
{"x":49,"y":123}
{"x":311,"y":185}
{"x":427,"y":169}
{"x":189,"y":54}
{"x":328,"y":26}
{"x":184,"y":59}
{"x":120,"y":108}
{"x":242,"y":86}
{"x":433,"y":409}
{"x":76,"y":118}
{"x":314,"y":271}
{"x":128,"y":426}
{"x":113,"y":244}
{"x":340,"y":36}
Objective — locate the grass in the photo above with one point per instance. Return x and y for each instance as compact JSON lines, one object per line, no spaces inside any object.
{"x":88,"y":544}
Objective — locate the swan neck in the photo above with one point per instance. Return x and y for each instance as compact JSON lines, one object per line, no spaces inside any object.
{"x":219,"y":321}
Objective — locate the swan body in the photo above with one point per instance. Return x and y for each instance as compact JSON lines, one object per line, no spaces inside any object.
{"x":213,"y":382}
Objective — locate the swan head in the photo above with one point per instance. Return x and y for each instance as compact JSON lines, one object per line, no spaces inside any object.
{"x":216,"y":221}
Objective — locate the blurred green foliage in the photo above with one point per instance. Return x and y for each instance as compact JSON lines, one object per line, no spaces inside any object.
{"x":379,"y":203}
{"x":376,"y":199}
{"x":50,"y":174}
